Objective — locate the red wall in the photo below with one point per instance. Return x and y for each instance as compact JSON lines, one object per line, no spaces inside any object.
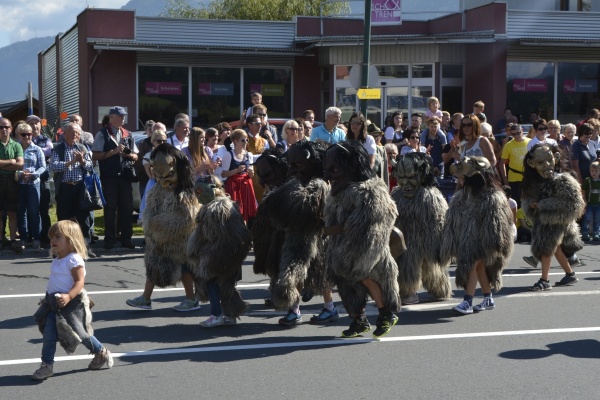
{"x":307,"y":86}
{"x":485,"y":79}
{"x":113,"y":74}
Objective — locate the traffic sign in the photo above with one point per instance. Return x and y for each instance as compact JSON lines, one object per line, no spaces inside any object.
{"x":368,"y":94}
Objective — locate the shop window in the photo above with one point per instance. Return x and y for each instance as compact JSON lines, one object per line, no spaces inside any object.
{"x":215,"y":95}
{"x":422,"y":71}
{"x":275,"y":87}
{"x":392,"y":71}
{"x":577,"y":90}
{"x":530,"y":88}
{"x":163,"y":93}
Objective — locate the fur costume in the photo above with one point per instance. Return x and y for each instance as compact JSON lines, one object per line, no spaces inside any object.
{"x":296,"y":209}
{"x":478,"y":226}
{"x":73,"y":322}
{"x":168,"y":220}
{"x":559,"y":204}
{"x":216,"y":250}
{"x":421,"y":212}
{"x":367,"y":213}
{"x":272,"y":169}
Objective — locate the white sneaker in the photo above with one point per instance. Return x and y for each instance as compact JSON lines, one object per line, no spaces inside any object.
{"x":213,"y":321}
{"x":486,"y":304}
{"x":464,"y":308}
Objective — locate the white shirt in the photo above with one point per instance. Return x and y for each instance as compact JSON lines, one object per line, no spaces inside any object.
{"x":370,"y":145}
{"x":175,"y":142}
{"x":61,"y":280}
{"x":535,"y":141}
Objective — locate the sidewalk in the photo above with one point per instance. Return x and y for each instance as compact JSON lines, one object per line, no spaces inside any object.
{"x":98,"y":248}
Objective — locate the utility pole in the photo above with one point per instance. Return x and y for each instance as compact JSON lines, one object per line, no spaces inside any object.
{"x":366,"y":55}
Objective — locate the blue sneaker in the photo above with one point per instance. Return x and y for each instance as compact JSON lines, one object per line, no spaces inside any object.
{"x":291,"y":319}
{"x":325,"y":316}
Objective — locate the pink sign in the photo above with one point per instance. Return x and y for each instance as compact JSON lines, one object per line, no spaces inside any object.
{"x":386,"y":12}
{"x":530,"y":85}
{"x":204,"y":89}
{"x":173,"y":88}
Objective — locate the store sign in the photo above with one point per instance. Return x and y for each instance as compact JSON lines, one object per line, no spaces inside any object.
{"x":267,"y":89}
{"x":386,"y":12}
{"x":215,"y":89}
{"x":172,"y":88}
{"x":530,"y":85}
{"x":580,"y":86}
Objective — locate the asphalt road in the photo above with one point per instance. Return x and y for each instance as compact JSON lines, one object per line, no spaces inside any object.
{"x":533,"y":345}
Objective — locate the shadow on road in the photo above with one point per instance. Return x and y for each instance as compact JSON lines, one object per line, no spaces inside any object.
{"x":586,"y":348}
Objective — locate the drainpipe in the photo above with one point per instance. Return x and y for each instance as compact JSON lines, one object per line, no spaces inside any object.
{"x":90,"y":105}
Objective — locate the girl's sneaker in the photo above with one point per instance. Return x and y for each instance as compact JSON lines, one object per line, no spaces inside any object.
{"x":101,"y":358}
{"x":43,"y":372}
{"x":486,"y":304}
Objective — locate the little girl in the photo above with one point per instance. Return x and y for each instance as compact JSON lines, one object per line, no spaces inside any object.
{"x":64,"y":313}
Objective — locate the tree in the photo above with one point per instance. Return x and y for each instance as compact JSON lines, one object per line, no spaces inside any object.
{"x":265,"y":10}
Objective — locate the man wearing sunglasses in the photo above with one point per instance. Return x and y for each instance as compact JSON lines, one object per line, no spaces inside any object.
{"x":541,"y":134}
{"x":11,"y":160}
{"x":512,"y":157}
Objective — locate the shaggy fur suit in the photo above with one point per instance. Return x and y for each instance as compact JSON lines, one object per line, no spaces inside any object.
{"x":559,"y":204}
{"x":294,"y":215}
{"x":168,"y":221}
{"x":216,"y":250}
{"x":421,"y":220}
{"x":478,"y":227}
{"x":367,"y":213}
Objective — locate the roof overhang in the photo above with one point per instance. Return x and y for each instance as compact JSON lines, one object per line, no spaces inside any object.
{"x":354,"y":40}
{"x":560,"y":42}
{"x":131,"y":45}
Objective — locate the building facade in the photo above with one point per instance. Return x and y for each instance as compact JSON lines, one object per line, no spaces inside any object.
{"x":543,"y":60}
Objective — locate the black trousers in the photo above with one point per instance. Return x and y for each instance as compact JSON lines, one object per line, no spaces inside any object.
{"x":118,"y":193}
{"x":67,"y":207}
{"x":44,"y":209}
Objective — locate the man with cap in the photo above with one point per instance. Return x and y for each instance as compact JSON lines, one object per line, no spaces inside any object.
{"x":113,"y":145}
{"x":45,"y":143}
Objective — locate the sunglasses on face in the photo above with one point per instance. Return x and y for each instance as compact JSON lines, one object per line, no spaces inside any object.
{"x":413,"y":137}
{"x":254,"y":123}
{"x":468,"y":124}
{"x":25,"y":134}
{"x":261,"y":115}
{"x":294,"y":129}
{"x":356,"y":123}
{"x":4,"y":127}
{"x":542,"y":128}
{"x":160,"y":141}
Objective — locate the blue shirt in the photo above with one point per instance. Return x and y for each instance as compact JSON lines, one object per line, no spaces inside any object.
{"x":321,"y":133}
{"x":34,"y":162}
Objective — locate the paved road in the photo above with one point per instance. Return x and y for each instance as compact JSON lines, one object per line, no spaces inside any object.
{"x":533,"y":345}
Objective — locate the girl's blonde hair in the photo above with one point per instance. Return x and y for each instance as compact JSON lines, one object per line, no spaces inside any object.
{"x":72,"y":232}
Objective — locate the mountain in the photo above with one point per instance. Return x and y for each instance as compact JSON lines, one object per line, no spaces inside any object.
{"x":20,"y":67}
{"x":21,"y":62}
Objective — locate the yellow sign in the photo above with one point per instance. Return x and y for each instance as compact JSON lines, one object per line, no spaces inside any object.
{"x":369,"y":94}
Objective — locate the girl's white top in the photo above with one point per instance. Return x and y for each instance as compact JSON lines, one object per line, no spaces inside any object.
{"x":61,"y":280}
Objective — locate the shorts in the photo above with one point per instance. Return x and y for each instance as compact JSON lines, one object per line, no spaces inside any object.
{"x":9,"y":193}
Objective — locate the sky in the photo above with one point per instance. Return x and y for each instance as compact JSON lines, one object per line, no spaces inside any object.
{"x":27,"y":19}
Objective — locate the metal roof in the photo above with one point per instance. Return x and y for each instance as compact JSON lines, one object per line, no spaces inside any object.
{"x":459,"y":37}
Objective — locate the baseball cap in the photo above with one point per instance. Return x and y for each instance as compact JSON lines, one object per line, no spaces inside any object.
{"x":117,"y":110}
{"x":32,"y":118}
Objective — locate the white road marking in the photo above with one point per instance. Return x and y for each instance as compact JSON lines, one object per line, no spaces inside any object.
{"x":531,"y":275}
{"x":314,"y":343}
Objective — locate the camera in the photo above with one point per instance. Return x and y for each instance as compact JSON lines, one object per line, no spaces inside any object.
{"x":127,"y":150}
